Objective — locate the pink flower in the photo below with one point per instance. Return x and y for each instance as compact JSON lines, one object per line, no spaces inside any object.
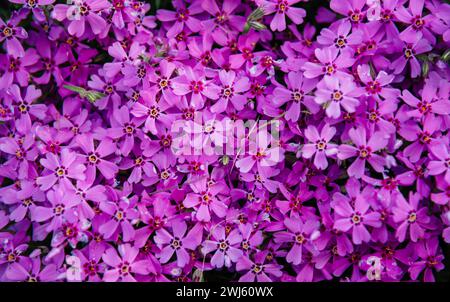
{"x":61,"y":170}
{"x":353,"y":213}
{"x":364,"y":150}
{"x":319,"y":145}
{"x":281,"y":8}
{"x":124,"y":267}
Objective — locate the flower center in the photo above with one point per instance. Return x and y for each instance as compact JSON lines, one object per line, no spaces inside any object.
{"x":330,"y":69}
{"x":321,"y":145}
{"x":300,"y":239}
{"x":141,"y":72}
{"x":163,"y":83}
{"x":176,"y":243}
{"x":93,"y":158}
{"x":364,"y":152}
{"x":197,"y":86}
{"x":129,"y":129}
{"x":227,"y":92}
{"x":282,"y":6}
{"x":355,"y":16}
{"x":297,"y":95}
{"x":418,"y":23}
{"x":412,"y":217}
{"x":356,"y":218}
{"x":337,"y":96}
{"x":373,"y":87}
{"x":424,"y":107}
{"x":109,"y":89}
{"x":84,"y":9}
{"x":221,"y":17}
{"x":182,"y":15}
{"x":223,"y":245}
{"x":165,"y":174}
{"x":267,"y":61}
{"x":7,"y":31}
{"x":257,"y":268}
{"x":12,"y":257}
{"x":19,"y":154}
{"x":61,"y":171}
{"x":119,"y":215}
{"x":124,"y":268}
{"x":408,"y":53}
{"x":59,"y":209}
{"x":340,"y":42}
{"x":138,"y":161}
{"x":14,"y":64}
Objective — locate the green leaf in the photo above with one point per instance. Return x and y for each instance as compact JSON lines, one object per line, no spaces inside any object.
{"x":90,"y":95}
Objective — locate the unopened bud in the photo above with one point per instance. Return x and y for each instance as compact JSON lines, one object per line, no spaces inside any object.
{"x":446,"y":56}
{"x":425,"y":69}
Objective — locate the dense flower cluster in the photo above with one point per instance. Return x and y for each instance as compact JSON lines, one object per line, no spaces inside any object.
{"x":92,"y":190}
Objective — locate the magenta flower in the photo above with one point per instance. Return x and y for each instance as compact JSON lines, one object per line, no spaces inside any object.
{"x":442,"y":164}
{"x":193,"y":83}
{"x":258,"y":269}
{"x":95,"y":157}
{"x":376,"y":87}
{"x":11,"y":33}
{"x":61,"y":170}
{"x":319,"y":145}
{"x":281,"y":8}
{"x":153,"y":111}
{"x":31,"y":270}
{"x":301,"y":234}
{"x":178,"y":242}
{"x":125,"y":266}
{"x":81,"y":11}
{"x":296,"y":94}
{"x":410,"y":51}
{"x":230,"y":139}
{"x":232,"y":90}
{"x":428,"y":104}
{"x":183,"y":16}
{"x":356,"y":217}
{"x":334,"y":93}
{"x":23,"y":154}
{"x":352,"y":9}
{"x":364,"y":151}
{"x":410,"y":216}
{"x":331,"y":63}
{"x":15,"y":68}
{"x":62,"y":208}
{"x":419,"y":25}
{"x":204,"y":199}
{"x":341,"y":38}
{"x":225,"y":247}
{"x":430,"y":259}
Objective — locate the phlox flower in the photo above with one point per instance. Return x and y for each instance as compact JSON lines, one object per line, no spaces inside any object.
{"x":258,"y":269}
{"x":178,"y":242}
{"x":364,"y":150}
{"x":357,"y":216}
{"x":280,"y":10}
{"x":330,"y":63}
{"x":125,"y":266}
{"x":61,"y":170}
{"x":319,"y":145}
{"x":225,"y":246}
{"x":81,"y":11}
{"x":411,"y":217}
{"x":333,"y":93}
{"x":62,"y":208}
{"x":301,"y":234}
